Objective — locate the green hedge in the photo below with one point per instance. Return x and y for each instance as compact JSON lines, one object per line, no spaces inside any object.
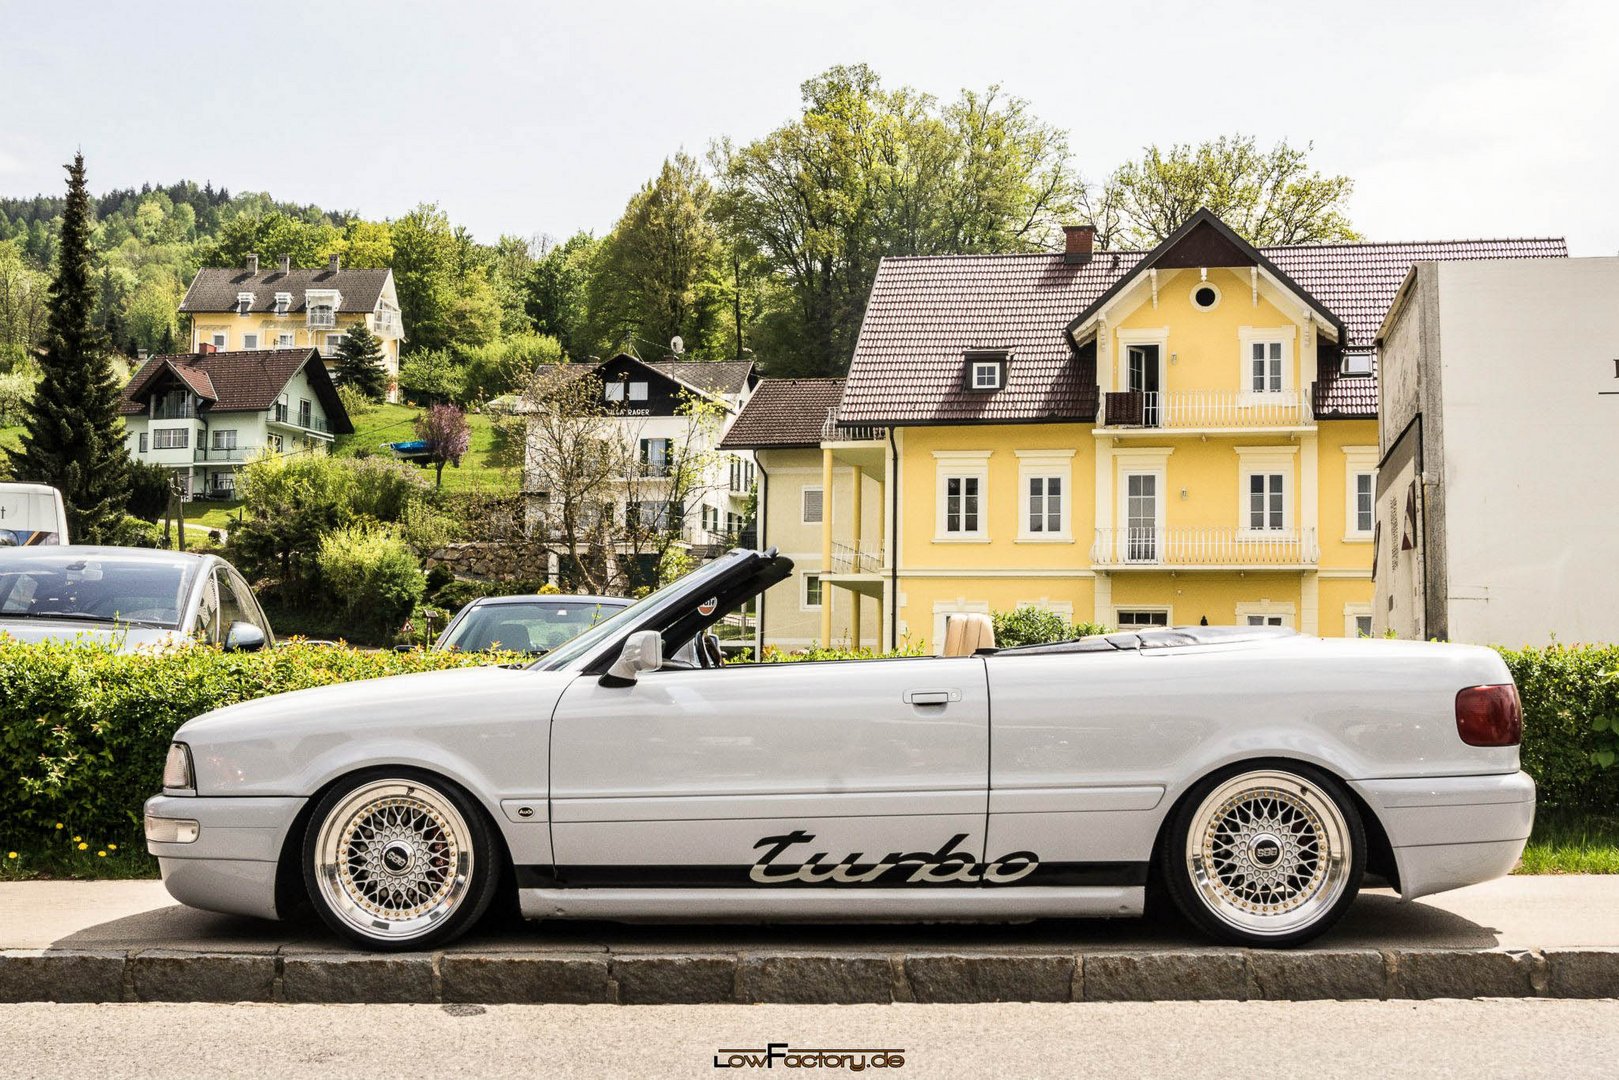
{"x":84,"y":730}
{"x":1570,"y":709}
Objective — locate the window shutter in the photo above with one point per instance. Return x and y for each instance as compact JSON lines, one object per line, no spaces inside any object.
{"x":813,"y":508}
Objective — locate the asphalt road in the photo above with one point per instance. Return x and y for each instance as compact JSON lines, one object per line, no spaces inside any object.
{"x":1321,"y":1040}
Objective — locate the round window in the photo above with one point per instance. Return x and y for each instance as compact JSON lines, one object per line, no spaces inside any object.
{"x":1205,"y":296}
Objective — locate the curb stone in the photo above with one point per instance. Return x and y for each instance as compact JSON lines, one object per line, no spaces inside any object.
{"x":822,"y":977}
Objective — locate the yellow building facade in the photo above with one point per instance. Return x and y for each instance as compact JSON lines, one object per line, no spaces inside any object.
{"x":1181,"y":436}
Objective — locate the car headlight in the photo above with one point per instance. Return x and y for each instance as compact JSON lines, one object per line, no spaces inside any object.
{"x":164,"y":830}
{"x":177,"y":772}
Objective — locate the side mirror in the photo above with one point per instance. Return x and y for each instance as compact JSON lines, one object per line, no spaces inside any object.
{"x":244,"y":637}
{"x":643,"y":651}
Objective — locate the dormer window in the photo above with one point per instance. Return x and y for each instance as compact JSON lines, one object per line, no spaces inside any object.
{"x":986,"y":371}
{"x":244,"y":303}
{"x":322,"y":306}
{"x":283,"y":302}
{"x":1357,"y":363}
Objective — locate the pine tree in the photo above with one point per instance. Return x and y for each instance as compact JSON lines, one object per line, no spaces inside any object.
{"x":73,"y":437}
{"x":359,"y":363}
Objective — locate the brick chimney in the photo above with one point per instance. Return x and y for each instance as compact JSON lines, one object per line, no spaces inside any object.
{"x":332,"y":263}
{"x":206,"y":347}
{"x":252,"y":262}
{"x":286,"y":264}
{"x":1077,"y":241}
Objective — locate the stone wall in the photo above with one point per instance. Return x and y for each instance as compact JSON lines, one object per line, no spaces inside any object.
{"x":494,"y":560}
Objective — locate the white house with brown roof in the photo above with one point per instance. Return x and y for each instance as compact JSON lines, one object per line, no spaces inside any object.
{"x":246,"y":309}
{"x":203,"y":414}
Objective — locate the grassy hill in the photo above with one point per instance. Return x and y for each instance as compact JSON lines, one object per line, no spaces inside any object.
{"x":480,"y":469}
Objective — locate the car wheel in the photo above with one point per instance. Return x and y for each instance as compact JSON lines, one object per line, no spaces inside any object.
{"x":1265,"y":855}
{"x":396,"y":859}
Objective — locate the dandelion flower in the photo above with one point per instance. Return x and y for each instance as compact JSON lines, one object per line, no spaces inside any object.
{"x":101,"y":854}
{"x":112,"y":847}
{"x":58,"y":824}
{"x":11,"y":854}
{"x":76,"y":839}
{"x":84,"y":847}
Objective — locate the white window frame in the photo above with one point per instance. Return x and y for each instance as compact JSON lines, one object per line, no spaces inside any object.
{"x":804,"y":592}
{"x":1142,"y":609}
{"x":1249,"y":336}
{"x":223,"y":439}
{"x":143,"y":442}
{"x":331,"y":345}
{"x":250,"y":342}
{"x":1358,"y":461}
{"x":613,"y":391}
{"x":1191,"y":300}
{"x":183,"y":434}
{"x":1273,"y":486}
{"x":283,"y":303}
{"x":244,"y":303}
{"x":993,"y":367}
{"x":961,"y":465}
{"x":1268,"y":609}
{"x":219,"y":339}
{"x":804,"y":504}
{"x":1044,"y":464}
{"x":1343,"y":365}
{"x":286,"y":341}
{"x":1354,"y":612}
{"x":638,"y":391}
{"x":1267,"y":460}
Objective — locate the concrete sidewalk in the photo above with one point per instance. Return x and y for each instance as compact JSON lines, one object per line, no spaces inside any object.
{"x":113,"y":941}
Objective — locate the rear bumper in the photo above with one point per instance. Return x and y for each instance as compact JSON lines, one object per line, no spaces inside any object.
{"x":231,"y":866}
{"x":1452,"y":831}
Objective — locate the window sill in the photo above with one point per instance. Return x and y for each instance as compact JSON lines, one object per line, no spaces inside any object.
{"x":958,"y":539}
{"x":1058,"y":538}
{"x":1357,"y":538}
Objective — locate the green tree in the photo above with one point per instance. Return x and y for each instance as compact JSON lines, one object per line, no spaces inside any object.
{"x":866,"y":173}
{"x":1266,"y":196}
{"x":270,"y":236}
{"x":23,"y":292}
{"x":555,"y":290}
{"x":445,"y":430}
{"x":359,"y":363}
{"x":659,"y":271}
{"x":424,"y":264}
{"x":367,"y":243}
{"x":73,"y":437}
{"x":289,"y":502}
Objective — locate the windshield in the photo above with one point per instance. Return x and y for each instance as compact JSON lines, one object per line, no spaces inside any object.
{"x":532,"y":627}
{"x":588,"y":642}
{"x":95,"y":589}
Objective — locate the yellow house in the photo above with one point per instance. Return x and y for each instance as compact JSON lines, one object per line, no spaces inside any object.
{"x":1177,"y":436}
{"x":243,"y":309}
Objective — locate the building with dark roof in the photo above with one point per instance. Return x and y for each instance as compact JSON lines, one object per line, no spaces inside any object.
{"x":203,"y":414}
{"x":1179,"y":435}
{"x":248,"y":309}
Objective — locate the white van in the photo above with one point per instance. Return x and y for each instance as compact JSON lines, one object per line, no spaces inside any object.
{"x":31,"y":514}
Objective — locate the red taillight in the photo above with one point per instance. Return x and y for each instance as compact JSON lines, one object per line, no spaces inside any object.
{"x":1489,"y":716}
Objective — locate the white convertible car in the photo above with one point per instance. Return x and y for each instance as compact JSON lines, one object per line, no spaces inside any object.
{"x":1255,"y":775}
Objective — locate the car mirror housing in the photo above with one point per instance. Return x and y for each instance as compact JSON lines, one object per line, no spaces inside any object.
{"x":244,"y":637}
{"x":643,"y":651}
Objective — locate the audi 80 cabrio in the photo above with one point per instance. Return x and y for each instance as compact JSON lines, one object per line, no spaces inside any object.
{"x":1258,"y":776}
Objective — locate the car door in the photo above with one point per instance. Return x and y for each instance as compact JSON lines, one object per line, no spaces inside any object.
{"x":840,"y":774}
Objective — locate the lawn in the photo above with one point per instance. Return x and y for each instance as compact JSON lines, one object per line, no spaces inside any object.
{"x":479,"y":470}
{"x":11,"y":439}
{"x":1566,"y":842}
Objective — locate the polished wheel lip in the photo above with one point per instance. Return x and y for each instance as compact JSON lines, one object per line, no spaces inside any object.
{"x":386,"y":814}
{"x":1301,"y":886}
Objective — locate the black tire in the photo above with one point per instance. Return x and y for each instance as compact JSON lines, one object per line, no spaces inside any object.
{"x":397,"y":858}
{"x":1225,"y":884}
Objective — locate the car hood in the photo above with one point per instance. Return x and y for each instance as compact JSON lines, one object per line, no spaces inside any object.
{"x":123,"y":638}
{"x":293,"y":743}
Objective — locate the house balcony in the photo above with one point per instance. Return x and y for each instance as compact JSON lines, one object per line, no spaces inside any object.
{"x":1204,"y":411}
{"x":855,"y":559}
{"x":321,"y":320}
{"x":234,"y":455}
{"x":1204,"y":549}
{"x":385,"y":325}
{"x":315,"y":424}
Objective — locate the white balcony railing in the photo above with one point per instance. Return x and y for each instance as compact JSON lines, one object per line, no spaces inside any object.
{"x":831,"y":432}
{"x":1171,"y":409}
{"x":321,"y":319}
{"x":1206,"y":547}
{"x":385,"y":324}
{"x":854,"y":558}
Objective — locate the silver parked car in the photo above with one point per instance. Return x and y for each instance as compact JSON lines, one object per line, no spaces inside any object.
{"x":130,"y":596}
{"x":1255,"y":773}
{"x":533,"y":624}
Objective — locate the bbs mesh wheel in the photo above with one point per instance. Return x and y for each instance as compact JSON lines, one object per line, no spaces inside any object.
{"x":1268,"y":855}
{"x":395,"y":859}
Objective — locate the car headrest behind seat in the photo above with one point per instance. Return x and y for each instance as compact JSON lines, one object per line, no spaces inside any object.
{"x":966,"y":633}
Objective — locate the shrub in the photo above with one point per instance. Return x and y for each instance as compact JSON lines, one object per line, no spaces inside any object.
{"x":84,"y":730}
{"x":506,"y":364}
{"x":1570,"y":708}
{"x":150,"y":487}
{"x":136,"y":532}
{"x":372,"y":576}
{"x":431,"y":376}
{"x":1035,"y":626}
{"x":384,"y":489}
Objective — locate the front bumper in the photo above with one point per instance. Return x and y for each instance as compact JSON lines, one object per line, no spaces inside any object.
{"x":1451,"y":831}
{"x":231,"y":866}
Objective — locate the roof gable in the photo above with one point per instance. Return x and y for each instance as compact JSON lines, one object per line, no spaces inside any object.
{"x":784,"y":414}
{"x":239,"y":381}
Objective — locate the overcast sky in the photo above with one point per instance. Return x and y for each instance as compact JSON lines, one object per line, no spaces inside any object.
{"x":1489,"y":118}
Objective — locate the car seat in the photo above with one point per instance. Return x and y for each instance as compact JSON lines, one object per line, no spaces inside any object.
{"x":966,"y":633}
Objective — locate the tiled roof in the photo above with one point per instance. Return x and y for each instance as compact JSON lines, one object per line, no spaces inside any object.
{"x":239,"y":381}
{"x":783,"y":413}
{"x":726,"y":377}
{"x":215,"y":288}
{"x":925,"y":312}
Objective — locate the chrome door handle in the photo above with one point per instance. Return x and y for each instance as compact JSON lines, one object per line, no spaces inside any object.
{"x":931,"y":697}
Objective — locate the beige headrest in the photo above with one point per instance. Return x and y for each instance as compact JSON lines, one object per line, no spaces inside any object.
{"x":967,"y":632}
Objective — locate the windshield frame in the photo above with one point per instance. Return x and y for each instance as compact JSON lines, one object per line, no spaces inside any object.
{"x":606,"y":606}
{"x":59,"y":561}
